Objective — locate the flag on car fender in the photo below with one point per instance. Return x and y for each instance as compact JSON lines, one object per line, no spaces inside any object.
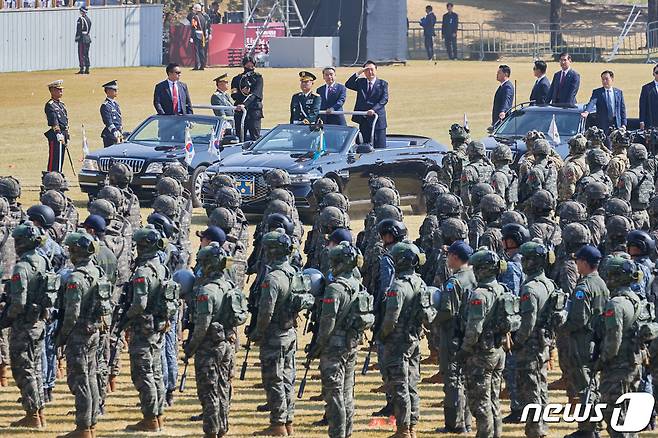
{"x":189,"y":147}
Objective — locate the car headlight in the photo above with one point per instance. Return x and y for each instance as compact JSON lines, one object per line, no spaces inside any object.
{"x":154,"y":167}
{"x":90,"y":164}
{"x":301,"y":178}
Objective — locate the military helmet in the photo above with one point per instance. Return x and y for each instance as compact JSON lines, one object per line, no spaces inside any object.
{"x":597,"y":158}
{"x":54,"y":200}
{"x":276,"y":178}
{"x":54,"y":181}
{"x":386,"y":196}
{"x":102,"y":208}
{"x":317,"y":281}
{"x":513,"y":217}
{"x":532,"y":136}
{"x":492,"y":206}
{"x":502,"y":153}
{"x":618,"y":207}
{"x":542,"y":201}
{"x":120,"y":175}
{"x":10,"y":188}
{"x":643,"y":241}
{"x":574,"y":236}
{"x":176,"y":171}
{"x":541,"y":148}
{"x":595,"y":135}
{"x":618,"y":228}
{"x":223,"y":218}
{"x":535,"y":257}
{"x":620,"y":137}
{"x":212,"y":258}
{"x":278,"y":206}
{"x":27,"y":237}
{"x":476,"y":149}
{"x":459,"y":133}
{"x":377,"y":182}
{"x":343,"y":257}
{"x":596,"y":191}
{"x":572,"y":211}
{"x":637,"y":153}
{"x":149,"y":241}
{"x":323,"y":186}
{"x":278,"y":220}
{"x":577,"y":144}
{"x":81,"y":245}
{"x":163,"y":224}
{"x":277,"y":244}
{"x":433,"y":189}
{"x":406,"y":256}
{"x":395,"y":228}
{"x":169,"y":186}
{"x":453,"y":229}
{"x":332,"y":218}
{"x":337,"y":200}
{"x":4,"y":207}
{"x":516,"y":232}
{"x":479,"y":191}
{"x":388,"y":212}
{"x":114,"y":195}
{"x":41,"y":214}
{"x":228,"y":197}
{"x":220,"y":180}
{"x":281,"y":195}
{"x":620,"y":272}
{"x":486,"y":264}
{"x":448,"y":204}
{"x":185,"y":279}
{"x":165,"y":204}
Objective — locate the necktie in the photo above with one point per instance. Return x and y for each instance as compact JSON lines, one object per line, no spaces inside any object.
{"x":369,"y":88}
{"x":608,"y":98}
{"x":174,"y":97}
{"x":564,"y":75}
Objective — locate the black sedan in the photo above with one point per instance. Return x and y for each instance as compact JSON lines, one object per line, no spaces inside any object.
{"x":156,"y":141}
{"x":334,"y":152}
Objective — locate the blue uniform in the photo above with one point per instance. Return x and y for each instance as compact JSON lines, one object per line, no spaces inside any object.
{"x":513,"y":277}
{"x":111,"y":115}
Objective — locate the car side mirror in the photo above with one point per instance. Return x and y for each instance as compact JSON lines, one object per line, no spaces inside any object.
{"x":247,"y":145}
{"x":364,"y":148}
{"x":490,"y":129}
{"x":229,"y":140}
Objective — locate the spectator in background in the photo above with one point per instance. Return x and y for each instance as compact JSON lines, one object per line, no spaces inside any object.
{"x":649,"y":102}
{"x":215,"y":16}
{"x":199,"y":36}
{"x":565,"y":84}
{"x":539,"y":94}
{"x":449,"y":27}
{"x":504,"y":97}
{"x":427,"y":23}
{"x":333,"y":97}
{"x":82,"y":29}
{"x":371,"y":96}
{"x":170,"y":96}
{"x":608,"y":103}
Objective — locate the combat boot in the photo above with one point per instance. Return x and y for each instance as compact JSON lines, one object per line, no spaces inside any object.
{"x":412,"y":431}
{"x":30,"y":420}
{"x":276,"y":429}
{"x":160,"y":419}
{"x":79,"y":432}
{"x":146,"y":424}
{"x":112,"y":383}
{"x":435,"y":379}
{"x":290,"y":429}
{"x":3,"y":375}
{"x":401,"y":432}
{"x":42,"y":417}
{"x":263,"y":408}
{"x":513,"y":418}
{"x":558,"y":385}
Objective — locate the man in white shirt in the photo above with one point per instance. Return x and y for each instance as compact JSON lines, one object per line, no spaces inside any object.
{"x":540,"y":90}
{"x":608,"y":104}
{"x":170,"y":96}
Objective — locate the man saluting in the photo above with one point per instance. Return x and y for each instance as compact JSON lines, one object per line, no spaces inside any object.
{"x":305,"y":105}
{"x":58,"y":121}
{"x":111,"y":115}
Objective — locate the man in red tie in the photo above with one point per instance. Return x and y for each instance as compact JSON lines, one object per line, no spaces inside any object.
{"x":170,"y":96}
{"x":566,"y":83}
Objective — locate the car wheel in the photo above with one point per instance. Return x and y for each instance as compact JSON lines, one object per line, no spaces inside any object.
{"x":199,"y":176}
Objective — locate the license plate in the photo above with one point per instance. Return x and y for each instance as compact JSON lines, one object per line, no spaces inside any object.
{"x":246,"y":187}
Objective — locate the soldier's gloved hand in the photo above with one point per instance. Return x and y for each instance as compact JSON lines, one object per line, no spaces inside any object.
{"x":117,"y":135}
{"x":60,"y":137}
{"x":461,"y":356}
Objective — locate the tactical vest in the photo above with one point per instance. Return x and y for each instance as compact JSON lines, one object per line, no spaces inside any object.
{"x":511,"y":192}
{"x":642,"y":191}
{"x":357,"y":315}
{"x":96,"y":306}
{"x":162,"y":300}
{"x":294,"y":299}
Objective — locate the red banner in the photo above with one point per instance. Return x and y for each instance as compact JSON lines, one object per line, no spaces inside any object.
{"x":227,"y":39}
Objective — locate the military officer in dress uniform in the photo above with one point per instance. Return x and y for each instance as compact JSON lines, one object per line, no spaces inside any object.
{"x":58,"y":121}
{"x":82,"y":28}
{"x":221,"y":97}
{"x":247,"y":93}
{"x":305,"y":105}
{"x":111,"y":115}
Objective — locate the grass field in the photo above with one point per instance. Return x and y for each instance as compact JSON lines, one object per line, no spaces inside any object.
{"x":425,"y":99}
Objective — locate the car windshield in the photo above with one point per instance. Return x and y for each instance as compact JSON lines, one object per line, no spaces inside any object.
{"x":171,"y":129}
{"x":522,"y":121}
{"x":303,"y":139}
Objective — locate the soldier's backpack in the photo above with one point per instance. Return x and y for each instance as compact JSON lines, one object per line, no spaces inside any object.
{"x":101,"y":289}
{"x":300,"y":297}
{"x":169,"y":292}
{"x":424,"y":311}
{"x":644,"y":189}
{"x":645,"y":329}
{"x":359,"y":314}
{"x":555,"y":311}
{"x":446,"y":302}
{"x":507,"y":316}
{"x":234,"y":309}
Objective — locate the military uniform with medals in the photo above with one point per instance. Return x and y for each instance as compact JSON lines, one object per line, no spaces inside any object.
{"x":111,"y":115}
{"x":58,"y":134}
{"x":247,"y":90}
{"x":305,"y":107}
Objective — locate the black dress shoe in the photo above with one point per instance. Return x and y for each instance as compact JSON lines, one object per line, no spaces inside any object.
{"x":386,"y":411}
{"x":196,"y":417}
{"x":455,"y":430}
{"x":263,"y":408}
{"x":321,"y":422}
{"x":169,"y":397}
{"x":513,"y":418}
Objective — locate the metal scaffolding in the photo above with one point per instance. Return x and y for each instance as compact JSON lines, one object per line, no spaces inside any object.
{"x":278,"y":11}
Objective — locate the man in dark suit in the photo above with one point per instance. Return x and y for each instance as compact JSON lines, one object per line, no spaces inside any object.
{"x":247,"y":94}
{"x":333,"y":97}
{"x":504,"y":97}
{"x":649,"y":102}
{"x":608,"y":103}
{"x":449,"y":27}
{"x":566,"y":83}
{"x":371,"y":96}
{"x":427,"y":23}
{"x":539,"y":94}
{"x":170,"y":96}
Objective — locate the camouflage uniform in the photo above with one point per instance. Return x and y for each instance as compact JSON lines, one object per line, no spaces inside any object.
{"x":121,"y":176}
{"x":478,"y":170}
{"x":430,"y":224}
{"x":171,"y":187}
{"x":57,"y":181}
{"x":320,"y":187}
{"x":597,"y":161}
{"x":10,"y":188}
{"x":527,"y":161}
{"x":636,"y":186}
{"x":504,"y":179}
{"x":542,"y":206}
{"x":595,"y":195}
{"x":542,"y":175}
{"x":596,"y":139}
{"x":229,"y":198}
{"x":452,"y":229}
{"x":615,"y":240}
{"x":491,"y":207}
{"x":455,"y":160}
{"x":375,"y":249}
{"x":574,"y":168}
{"x":476,"y":224}
{"x":118,"y":238}
{"x":618,"y":164}
{"x":7,"y":261}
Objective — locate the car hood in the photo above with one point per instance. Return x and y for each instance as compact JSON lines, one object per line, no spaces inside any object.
{"x":135,"y":150}
{"x":518,"y":146}
{"x":293,"y":163}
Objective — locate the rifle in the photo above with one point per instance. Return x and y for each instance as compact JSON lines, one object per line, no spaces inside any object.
{"x":302,"y":385}
{"x":183,"y":379}
{"x":120,"y":319}
{"x":588,"y":393}
{"x":243,"y":370}
{"x":366,"y":363}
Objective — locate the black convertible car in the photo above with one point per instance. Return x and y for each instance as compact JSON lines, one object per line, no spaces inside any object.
{"x":334,"y":152}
